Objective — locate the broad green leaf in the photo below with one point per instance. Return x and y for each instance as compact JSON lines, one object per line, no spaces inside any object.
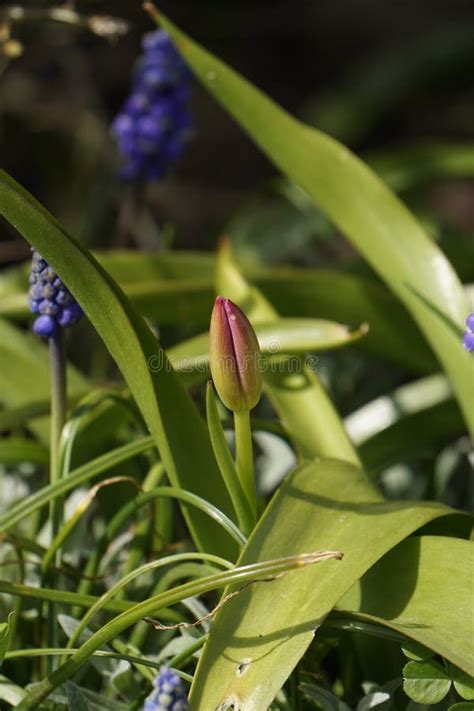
{"x":412,"y":589}
{"x":425,"y":682}
{"x":179,"y":432}
{"x":24,"y":373}
{"x":300,"y":399}
{"x":327,"y":502}
{"x":359,"y":203}
{"x":463,"y":683}
{"x":462,"y":706}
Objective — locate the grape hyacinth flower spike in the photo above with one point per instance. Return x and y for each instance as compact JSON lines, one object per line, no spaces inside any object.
{"x":154,"y":122}
{"x":168,"y":694}
{"x":468,"y":340}
{"x":49,"y":299}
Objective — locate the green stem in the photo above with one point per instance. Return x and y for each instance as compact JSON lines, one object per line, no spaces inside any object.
{"x":244,"y":457}
{"x":57,"y":354}
{"x":226,"y":464}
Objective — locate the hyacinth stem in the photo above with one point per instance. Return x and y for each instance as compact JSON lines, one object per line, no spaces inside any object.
{"x":244,"y":457}
{"x":57,"y":356}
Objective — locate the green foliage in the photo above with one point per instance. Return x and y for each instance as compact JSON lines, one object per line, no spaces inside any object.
{"x":425,"y":682}
{"x":142,"y":548}
{"x":378,"y":224}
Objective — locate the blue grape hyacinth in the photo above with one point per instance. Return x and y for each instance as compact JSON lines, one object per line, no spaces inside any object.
{"x":155,"y":121}
{"x":168,"y":694}
{"x":54,"y":305}
{"x":468,"y":340}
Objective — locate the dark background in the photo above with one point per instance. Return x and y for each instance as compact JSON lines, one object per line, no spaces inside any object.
{"x":374,"y":73}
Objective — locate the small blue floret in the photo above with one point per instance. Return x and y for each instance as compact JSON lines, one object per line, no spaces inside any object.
{"x":154,"y":122}
{"x":468,"y":340}
{"x":49,"y":297}
{"x":45,"y":326}
{"x":168,"y":694}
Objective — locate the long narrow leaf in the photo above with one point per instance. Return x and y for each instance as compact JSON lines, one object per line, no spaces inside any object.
{"x":358,"y":202}
{"x":179,"y":431}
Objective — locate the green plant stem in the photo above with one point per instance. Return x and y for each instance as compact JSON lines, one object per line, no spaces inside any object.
{"x":57,"y":354}
{"x":244,"y":458}
{"x":226,"y":464}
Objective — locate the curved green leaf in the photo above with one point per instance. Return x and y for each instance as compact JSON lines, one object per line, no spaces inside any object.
{"x":412,"y":589}
{"x":359,"y":203}
{"x":272,"y":627}
{"x":168,"y":295}
{"x":179,"y":432}
{"x":283,"y":336}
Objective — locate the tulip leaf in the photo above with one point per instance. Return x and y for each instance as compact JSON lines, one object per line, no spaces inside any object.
{"x":178,"y":288}
{"x":179,"y":432}
{"x":411,"y":590}
{"x":359,"y":204}
{"x":282,"y":336}
{"x":294,"y":389}
{"x":270,"y":627}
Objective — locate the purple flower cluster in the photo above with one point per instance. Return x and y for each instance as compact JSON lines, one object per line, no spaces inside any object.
{"x":49,"y":298}
{"x":155,"y":122}
{"x":168,"y":694}
{"x":468,"y":340}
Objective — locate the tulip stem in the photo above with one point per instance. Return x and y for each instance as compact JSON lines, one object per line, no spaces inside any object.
{"x":226,"y":464}
{"x":244,"y":457}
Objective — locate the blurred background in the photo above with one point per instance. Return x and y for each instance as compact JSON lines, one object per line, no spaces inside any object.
{"x":379,"y":76}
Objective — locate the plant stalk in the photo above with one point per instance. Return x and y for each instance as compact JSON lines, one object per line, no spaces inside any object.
{"x":57,"y":355}
{"x":244,"y":457}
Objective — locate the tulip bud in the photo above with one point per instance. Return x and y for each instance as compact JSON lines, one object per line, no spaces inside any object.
{"x":234,"y":357}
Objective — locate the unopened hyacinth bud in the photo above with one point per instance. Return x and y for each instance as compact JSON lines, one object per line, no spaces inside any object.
{"x":468,"y":340}
{"x":54,"y":305}
{"x":168,"y":694}
{"x":155,"y":122}
{"x":234,"y":357}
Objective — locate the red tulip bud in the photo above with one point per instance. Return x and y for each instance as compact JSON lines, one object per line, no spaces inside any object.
{"x":234,"y":357}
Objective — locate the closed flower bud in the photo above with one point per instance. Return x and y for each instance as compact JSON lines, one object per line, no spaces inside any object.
{"x":234,"y":357}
